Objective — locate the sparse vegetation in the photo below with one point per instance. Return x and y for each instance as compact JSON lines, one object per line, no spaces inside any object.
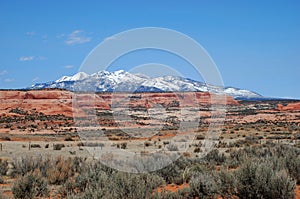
{"x":35,"y":146}
{"x":261,"y":172}
{"x":58,"y":146}
{"x":60,"y":170}
{"x":172,"y":147}
{"x":251,"y":159}
{"x":69,"y":138}
{"x":260,"y":180}
{"x":3,"y":167}
{"x":30,"y":186}
{"x":204,"y":185}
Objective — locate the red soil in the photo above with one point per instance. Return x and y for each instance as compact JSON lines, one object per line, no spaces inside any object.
{"x":297,"y":192}
{"x":172,"y":187}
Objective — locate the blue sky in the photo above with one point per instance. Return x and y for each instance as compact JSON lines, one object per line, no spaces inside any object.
{"x":255,"y":44}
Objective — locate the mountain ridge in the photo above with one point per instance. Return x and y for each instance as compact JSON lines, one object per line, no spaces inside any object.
{"x":122,"y":81}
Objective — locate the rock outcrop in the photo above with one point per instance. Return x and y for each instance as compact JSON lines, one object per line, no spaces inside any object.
{"x":53,"y":102}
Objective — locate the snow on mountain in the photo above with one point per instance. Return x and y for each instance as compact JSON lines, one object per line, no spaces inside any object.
{"x":77,"y":77}
{"x":104,"y":81}
{"x":241,"y":93}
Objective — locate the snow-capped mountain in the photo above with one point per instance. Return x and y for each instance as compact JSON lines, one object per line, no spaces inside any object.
{"x":104,"y":81}
{"x":77,"y":77}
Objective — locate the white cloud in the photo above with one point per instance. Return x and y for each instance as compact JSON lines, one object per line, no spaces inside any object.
{"x":4,"y":72}
{"x":77,"y":37}
{"x":31,"y":58}
{"x":68,"y":66}
{"x":9,"y":80}
{"x":26,"y":58}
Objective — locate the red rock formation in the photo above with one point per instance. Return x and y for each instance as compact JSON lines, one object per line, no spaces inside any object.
{"x":290,"y":107}
{"x":49,"y":102}
{"x":52,"y":102}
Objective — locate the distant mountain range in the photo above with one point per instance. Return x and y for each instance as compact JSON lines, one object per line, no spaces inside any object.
{"x":122,"y":81}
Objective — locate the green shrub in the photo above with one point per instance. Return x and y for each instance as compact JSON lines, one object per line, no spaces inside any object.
{"x":68,"y":138}
{"x":215,"y":157}
{"x":1,"y":180}
{"x":292,"y":163}
{"x":147,"y":144}
{"x":35,"y":146}
{"x":260,"y":180}
{"x":227,"y":184}
{"x":2,"y":196}
{"x":68,"y":188}
{"x":98,"y":182}
{"x":58,"y":146}
{"x":60,"y":170}
{"x":80,"y":144}
{"x":29,"y":186}
{"x":261,"y":172}
{"x":91,"y":144}
{"x":123,"y":145}
{"x":180,"y":194}
{"x":204,"y":185}
{"x":23,"y":165}
{"x":282,"y":186}
{"x":6,"y":138}
{"x":171,"y":174}
{"x":3,"y":167}
{"x":200,"y":137}
{"x":197,"y":150}
{"x":172,"y":147}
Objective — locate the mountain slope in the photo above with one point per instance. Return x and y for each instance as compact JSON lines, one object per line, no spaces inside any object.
{"x":104,"y":81}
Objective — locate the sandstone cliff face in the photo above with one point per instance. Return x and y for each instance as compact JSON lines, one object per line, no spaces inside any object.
{"x":290,"y":107}
{"x":49,"y":102}
{"x":53,"y":102}
{"x":35,"y":94}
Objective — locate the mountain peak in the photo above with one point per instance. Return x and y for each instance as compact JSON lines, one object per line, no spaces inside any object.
{"x":77,"y":77}
{"x":104,"y":81}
